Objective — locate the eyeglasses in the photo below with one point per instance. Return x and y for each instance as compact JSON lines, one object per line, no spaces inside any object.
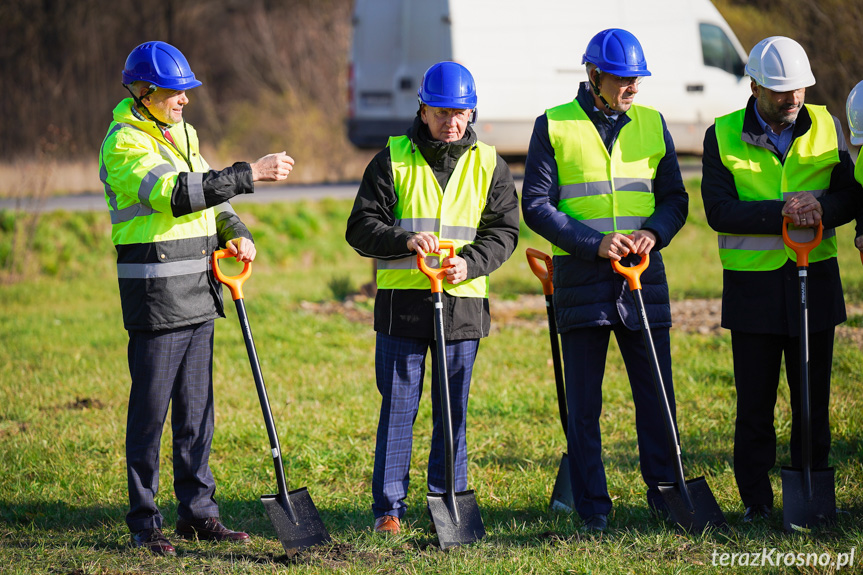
{"x":627,"y":81}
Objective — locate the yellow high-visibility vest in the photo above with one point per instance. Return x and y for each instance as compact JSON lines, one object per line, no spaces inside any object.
{"x":760,"y":175}
{"x":452,"y":214}
{"x":607,"y":192}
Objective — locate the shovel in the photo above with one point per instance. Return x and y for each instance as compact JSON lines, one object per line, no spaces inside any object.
{"x":690,"y":504}
{"x":455,"y":514}
{"x":293,"y":514}
{"x":561,"y":495}
{"x":808,"y":496}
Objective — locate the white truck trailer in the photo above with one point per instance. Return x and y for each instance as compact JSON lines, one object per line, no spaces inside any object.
{"x":525,"y":56}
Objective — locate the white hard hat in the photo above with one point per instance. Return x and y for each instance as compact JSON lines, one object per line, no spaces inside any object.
{"x":854,"y":109}
{"x":780,"y":64}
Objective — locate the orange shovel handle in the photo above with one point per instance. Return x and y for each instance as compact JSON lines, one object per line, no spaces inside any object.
{"x":543,"y":273}
{"x":436,"y":275}
{"x":802,"y":249}
{"x":234,"y":283}
{"x":632,"y":274}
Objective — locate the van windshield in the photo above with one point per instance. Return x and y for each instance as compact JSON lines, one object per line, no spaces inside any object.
{"x":718,"y":50}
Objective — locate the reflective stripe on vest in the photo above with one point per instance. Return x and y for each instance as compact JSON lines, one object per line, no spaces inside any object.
{"x":759,"y":175}
{"x":606,"y":192}
{"x":451,"y":214}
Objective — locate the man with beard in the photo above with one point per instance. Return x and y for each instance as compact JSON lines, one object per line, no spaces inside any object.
{"x":777,"y":157}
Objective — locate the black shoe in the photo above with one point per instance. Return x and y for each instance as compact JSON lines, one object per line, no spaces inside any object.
{"x":598,"y":522}
{"x":208,"y":529}
{"x":154,"y":541}
{"x":760,"y":511}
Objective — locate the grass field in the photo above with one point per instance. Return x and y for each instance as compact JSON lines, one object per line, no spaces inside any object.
{"x":64,"y":388}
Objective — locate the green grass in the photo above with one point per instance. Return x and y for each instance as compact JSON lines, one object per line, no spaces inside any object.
{"x":64,"y":388}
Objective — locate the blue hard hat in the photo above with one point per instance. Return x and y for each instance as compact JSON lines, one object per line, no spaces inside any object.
{"x":448,"y":85}
{"x":160,"y":64}
{"x":616,"y":51}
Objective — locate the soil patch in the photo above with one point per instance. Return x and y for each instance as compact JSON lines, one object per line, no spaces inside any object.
{"x":702,"y":316}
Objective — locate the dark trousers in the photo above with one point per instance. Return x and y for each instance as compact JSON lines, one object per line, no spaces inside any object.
{"x":170,"y":366}
{"x":757,"y":362}
{"x":584,"y":356}
{"x":400,"y":369}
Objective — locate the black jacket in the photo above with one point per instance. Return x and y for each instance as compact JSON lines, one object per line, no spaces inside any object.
{"x":767,"y":301}
{"x":587,"y":292}
{"x":370,"y":231}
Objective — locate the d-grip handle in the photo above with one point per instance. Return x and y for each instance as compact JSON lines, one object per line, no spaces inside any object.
{"x":234,"y":283}
{"x":802,"y":249}
{"x":633,"y":273}
{"x":436,"y":275}
{"x":543,"y":274}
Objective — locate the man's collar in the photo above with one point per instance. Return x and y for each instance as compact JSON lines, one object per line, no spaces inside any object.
{"x":588,"y":104}
{"x":137,"y":113}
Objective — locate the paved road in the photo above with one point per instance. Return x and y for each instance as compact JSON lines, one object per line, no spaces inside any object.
{"x":265,"y":193}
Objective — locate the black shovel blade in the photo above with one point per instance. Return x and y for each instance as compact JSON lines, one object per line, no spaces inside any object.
{"x":309,"y":529}
{"x":706,"y":513}
{"x":801,"y":513}
{"x":469,"y":528}
{"x":561,"y":495}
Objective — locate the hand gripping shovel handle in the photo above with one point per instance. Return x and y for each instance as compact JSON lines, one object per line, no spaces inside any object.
{"x":633,"y":278}
{"x":545,"y":276}
{"x":802,"y":249}
{"x":235,"y":284}
{"x":436,"y":276}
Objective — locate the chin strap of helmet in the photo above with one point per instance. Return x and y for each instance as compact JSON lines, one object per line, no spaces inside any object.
{"x":140,"y":105}
{"x":595,"y":87}
{"x":162,"y":125}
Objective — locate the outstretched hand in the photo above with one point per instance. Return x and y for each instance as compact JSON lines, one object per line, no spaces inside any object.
{"x":272,"y":168}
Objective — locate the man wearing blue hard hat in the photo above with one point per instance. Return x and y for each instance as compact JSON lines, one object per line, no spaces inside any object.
{"x":601,"y":182}
{"x":169,"y":212}
{"x":437,"y":182}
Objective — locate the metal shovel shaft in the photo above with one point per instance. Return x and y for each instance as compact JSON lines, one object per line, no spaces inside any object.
{"x":546,"y":277}
{"x":670,"y":428}
{"x":802,"y":251}
{"x":267,"y":411}
{"x":555,"y":359}
{"x":446,"y":414}
{"x":805,"y":414}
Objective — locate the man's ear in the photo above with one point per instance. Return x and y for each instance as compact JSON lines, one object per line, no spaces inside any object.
{"x":595,"y":80}
{"x":754,"y":87}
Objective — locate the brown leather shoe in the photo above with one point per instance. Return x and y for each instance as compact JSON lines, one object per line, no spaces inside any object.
{"x":388,"y":525}
{"x":208,"y":529}
{"x":154,"y":541}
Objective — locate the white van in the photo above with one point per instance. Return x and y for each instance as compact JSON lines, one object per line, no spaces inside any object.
{"x":525,"y":56}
